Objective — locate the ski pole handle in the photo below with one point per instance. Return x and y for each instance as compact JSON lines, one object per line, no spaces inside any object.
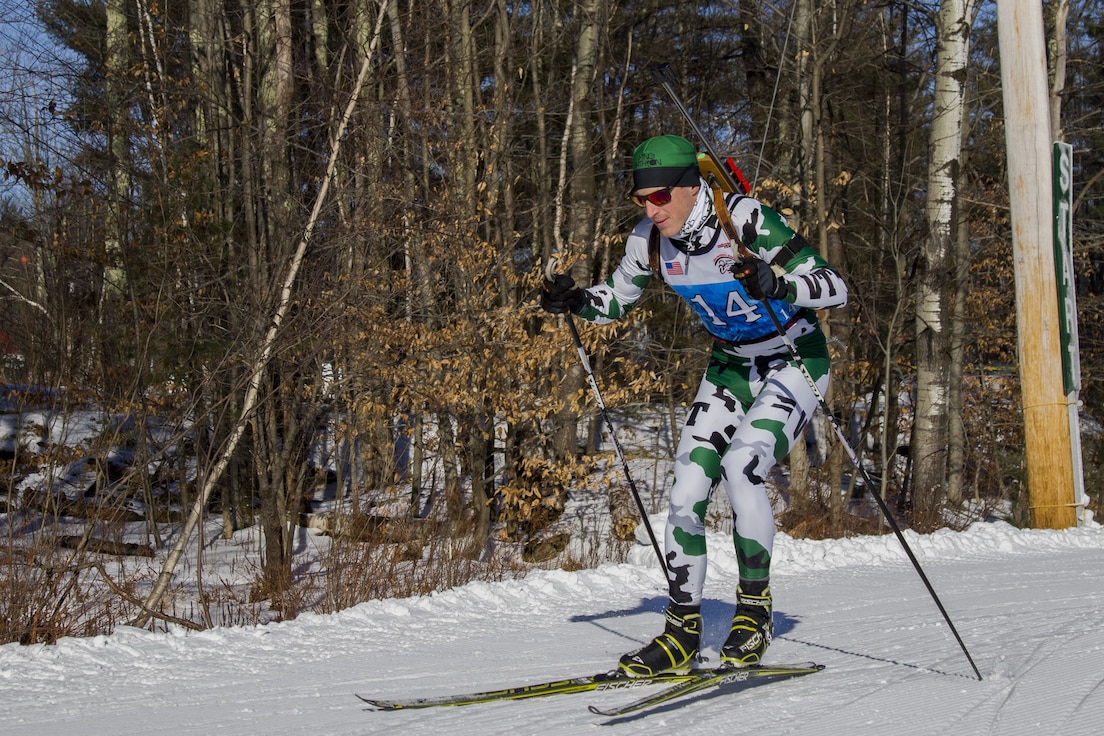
{"x":550,"y":267}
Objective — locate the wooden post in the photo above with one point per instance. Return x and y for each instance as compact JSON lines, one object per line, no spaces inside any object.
{"x":1048,"y":451}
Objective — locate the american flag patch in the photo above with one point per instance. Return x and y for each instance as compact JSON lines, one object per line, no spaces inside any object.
{"x":674,"y":268}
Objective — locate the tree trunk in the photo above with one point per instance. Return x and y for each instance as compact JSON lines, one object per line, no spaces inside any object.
{"x":801,"y":186}
{"x":936,"y":279}
{"x":888,"y":241}
{"x":274,"y":429}
{"x":827,"y":239}
{"x":956,"y":428}
{"x":582,"y":197}
{"x":1057,"y":14}
{"x":117,"y":82}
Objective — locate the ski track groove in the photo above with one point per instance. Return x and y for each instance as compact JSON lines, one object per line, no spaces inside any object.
{"x":1002,"y":695}
{"x":1077,"y":709}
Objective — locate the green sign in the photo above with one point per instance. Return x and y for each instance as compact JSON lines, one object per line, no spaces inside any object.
{"x":1063,"y":264}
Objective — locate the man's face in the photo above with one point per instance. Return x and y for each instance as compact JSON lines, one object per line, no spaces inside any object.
{"x":670,"y":217}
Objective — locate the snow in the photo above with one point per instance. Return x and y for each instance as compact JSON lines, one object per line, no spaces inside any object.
{"x":1029,"y":605}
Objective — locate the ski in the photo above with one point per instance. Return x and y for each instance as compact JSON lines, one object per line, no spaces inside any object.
{"x":602,"y":681}
{"x":706,"y":679}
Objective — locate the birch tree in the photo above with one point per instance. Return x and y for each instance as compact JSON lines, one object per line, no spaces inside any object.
{"x":117,"y":83}
{"x":937,"y":272}
{"x":577,"y":159}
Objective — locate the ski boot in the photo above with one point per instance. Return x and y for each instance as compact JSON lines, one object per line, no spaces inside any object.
{"x":751,"y":626}
{"x":675,"y":648}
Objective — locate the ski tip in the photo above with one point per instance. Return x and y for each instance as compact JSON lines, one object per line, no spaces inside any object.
{"x":796,"y":666}
{"x":377,"y":704}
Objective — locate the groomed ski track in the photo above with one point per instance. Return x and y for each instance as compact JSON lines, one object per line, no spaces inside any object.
{"x":1029,"y":605}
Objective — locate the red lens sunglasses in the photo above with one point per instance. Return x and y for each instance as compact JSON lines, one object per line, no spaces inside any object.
{"x":659,"y":197}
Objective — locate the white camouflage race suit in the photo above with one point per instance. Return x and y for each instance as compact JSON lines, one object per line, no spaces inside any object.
{"x":753,"y":401}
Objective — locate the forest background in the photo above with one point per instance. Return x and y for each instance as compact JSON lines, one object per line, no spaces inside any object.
{"x":291,"y":251}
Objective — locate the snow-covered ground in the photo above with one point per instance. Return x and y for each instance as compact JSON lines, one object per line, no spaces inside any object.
{"x":1029,"y":605}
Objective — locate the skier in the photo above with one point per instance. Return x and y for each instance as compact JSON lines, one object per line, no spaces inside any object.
{"x":753,"y":401}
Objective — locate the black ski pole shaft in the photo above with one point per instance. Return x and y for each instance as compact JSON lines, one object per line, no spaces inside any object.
{"x":796,"y":356}
{"x":585,"y":361}
{"x":616,"y":443}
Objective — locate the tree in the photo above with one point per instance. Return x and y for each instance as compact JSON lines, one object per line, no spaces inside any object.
{"x":937,"y":270}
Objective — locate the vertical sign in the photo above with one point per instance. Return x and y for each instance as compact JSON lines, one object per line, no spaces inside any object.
{"x":1067,"y":313}
{"x":1063,"y":265}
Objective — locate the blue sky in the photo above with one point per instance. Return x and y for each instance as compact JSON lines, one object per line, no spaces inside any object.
{"x":33,"y":78}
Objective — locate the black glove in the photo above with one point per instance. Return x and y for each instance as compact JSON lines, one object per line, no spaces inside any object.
{"x":560,"y":295}
{"x":761,"y":281}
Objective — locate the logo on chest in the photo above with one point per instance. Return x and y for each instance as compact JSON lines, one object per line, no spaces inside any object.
{"x":725,"y":262}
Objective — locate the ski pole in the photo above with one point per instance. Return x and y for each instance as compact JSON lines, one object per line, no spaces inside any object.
{"x":664,"y":76}
{"x":550,"y":272}
{"x":796,"y":357}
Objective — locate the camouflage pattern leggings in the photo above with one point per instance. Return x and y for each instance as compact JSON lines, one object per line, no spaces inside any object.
{"x":745,"y":418}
